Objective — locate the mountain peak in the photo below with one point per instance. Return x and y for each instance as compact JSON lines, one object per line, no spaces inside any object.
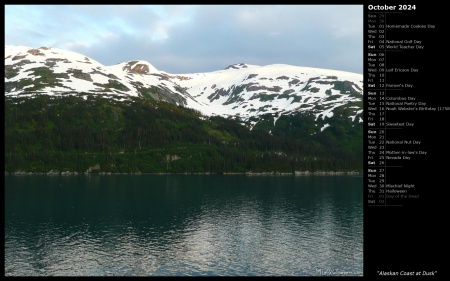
{"x":48,"y":56}
{"x":139,"y":67}
{"x":237,"y":66}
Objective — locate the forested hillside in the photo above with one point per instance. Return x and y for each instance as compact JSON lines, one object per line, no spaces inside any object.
{"x":86,"y":133}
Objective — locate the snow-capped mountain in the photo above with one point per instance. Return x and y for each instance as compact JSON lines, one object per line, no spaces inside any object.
{"x":241,"y":91}
{"x":249,"y":91}
{"x":54,"y":71}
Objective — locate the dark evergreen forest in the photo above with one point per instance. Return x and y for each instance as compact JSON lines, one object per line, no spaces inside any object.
{"x":87,"y":133}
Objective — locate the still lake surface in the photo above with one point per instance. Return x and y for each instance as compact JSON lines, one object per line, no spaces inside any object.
{"x":176,"y":225}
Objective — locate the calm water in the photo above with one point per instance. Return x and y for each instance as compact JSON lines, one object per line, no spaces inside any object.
{"x":171,"y":225}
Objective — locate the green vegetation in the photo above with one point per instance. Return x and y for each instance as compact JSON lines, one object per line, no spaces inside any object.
{"x":43,"y":77}
{"x":10,"y":72}
{"x":112,"y":84}
{"x":346,"y":87}
{"x":97,"y":134}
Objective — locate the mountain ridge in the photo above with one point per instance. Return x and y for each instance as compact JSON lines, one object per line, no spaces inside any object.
{"x":65,"y":113}
{"x":241,"y":91}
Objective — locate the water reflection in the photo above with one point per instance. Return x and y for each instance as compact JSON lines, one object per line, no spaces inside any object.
{"x":183,"y":225}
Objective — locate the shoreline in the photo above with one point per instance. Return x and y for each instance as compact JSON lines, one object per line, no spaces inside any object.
{"x":296,"y":173}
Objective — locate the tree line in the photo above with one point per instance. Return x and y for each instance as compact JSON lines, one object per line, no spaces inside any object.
{"x":86,"y":133}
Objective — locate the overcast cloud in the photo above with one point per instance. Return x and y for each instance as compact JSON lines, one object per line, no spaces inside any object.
{"x":196,"y":38}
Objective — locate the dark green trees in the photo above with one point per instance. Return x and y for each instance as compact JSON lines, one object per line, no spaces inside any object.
{"x":86,"y":133}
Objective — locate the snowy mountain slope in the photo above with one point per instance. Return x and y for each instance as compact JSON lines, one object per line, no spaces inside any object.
{"x":249,"y":91}
{"x":54,"y":71}
{"x":241,"y":91}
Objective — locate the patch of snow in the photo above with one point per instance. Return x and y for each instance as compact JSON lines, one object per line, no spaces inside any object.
{"x":324,"y":127}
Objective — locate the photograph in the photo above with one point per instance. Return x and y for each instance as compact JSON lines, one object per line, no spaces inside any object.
{"x":185,"y":140}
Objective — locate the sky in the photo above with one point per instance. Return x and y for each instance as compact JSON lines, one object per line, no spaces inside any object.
{"x":196,"y":38}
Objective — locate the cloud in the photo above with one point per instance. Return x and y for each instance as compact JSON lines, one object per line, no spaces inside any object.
{"x":196,"y":38}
